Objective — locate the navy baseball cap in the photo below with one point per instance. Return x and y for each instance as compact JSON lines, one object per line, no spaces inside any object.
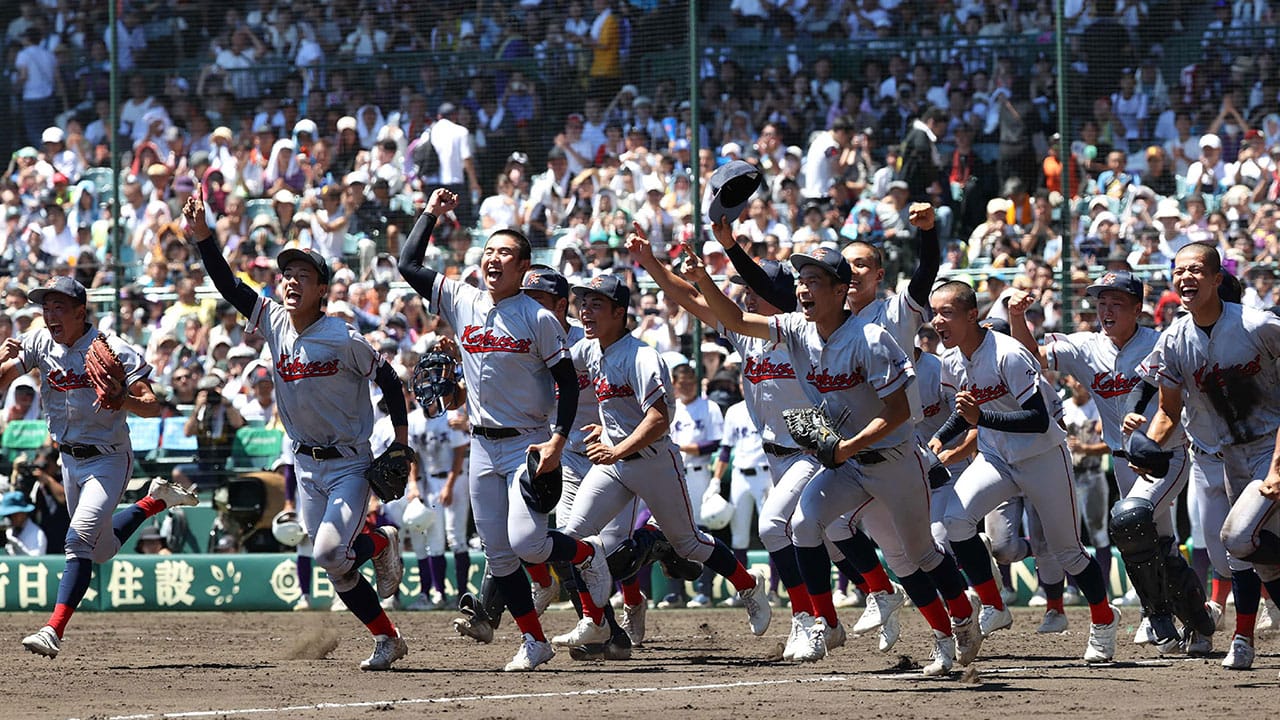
{"x":59,"y":285}
{"x":1121,"y":280}
{"x":996,"y":324}
{"x":610,"y":286}
{"x":829,"y":260}
{"x":1143,"y":452}
{"x":783,"y":282}
{"x":546,"y":279}
{"x":732,"y":187}
{"x":309,"y":256}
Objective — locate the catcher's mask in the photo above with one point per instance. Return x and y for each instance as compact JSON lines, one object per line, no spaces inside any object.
{"x":435,"y":383}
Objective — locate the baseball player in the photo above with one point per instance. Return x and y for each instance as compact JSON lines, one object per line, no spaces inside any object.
{"x":323,"y":368}
{"x":1218,"y":364}
{"x":97,"y":459}
{"x":515,"y":360}
{"x":633,"y":453}
{"x":550,"y":289}
{"x":856,"y":371}
{"x":749,"y":477}
{"x":1107,"y":363}
{"x":697,"y":425}
{"x":998,"y":388}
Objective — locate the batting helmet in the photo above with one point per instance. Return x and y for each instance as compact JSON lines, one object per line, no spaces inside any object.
{"x":286,"y":529}
{"x":716,"y":512}
{"x":417,"y":517}
{"x":435,"y":383}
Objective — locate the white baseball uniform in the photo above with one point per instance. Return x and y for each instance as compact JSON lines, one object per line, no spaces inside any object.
{"x":1002,"y":375}
{"x":697,"y":423}
{"x":901,"y":316}
{"x":749,"y":479}
{"x":507,"y":351}
{"x":94,"y":485}
{"x":322,"y":393}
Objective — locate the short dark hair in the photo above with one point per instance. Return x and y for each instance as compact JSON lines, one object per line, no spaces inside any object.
{"x":522,"y":242}
{"x":1208,"y":255}
{"x":934,"y":114}
{"x":843,"y":123}
{"x":681,"y":370}
{"x":876,"y":252}
{"x":962,"y":292}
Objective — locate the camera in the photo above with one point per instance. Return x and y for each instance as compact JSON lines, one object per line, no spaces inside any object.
{"x":652,"y":311}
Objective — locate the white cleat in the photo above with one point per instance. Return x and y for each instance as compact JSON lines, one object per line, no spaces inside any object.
{"x":1198,"y":645}
{"x":854,"y":598}
{"x":1219,"y":617}
{"x":756,"y":602}
{"x":835,"y":637}
{"x":943,"y":655}
{"x":880,"y":605}
{"x":891,"y":628}
{"x":595,"y":573}
{"x":990,"y":619}
{"x":632,"y":620}
{"x":544,"y":596}
{"x":1240,"y":656}
{"x":1038,"y":599}
{"x":967,"y":634}
{"x":420,"y":603}
{"x":1144,"y":635}
{"x":43,"y":642}
{"x":531,"y":654}
{"x":1102,"y":640}
{"x":800,"y":623}
{"x":386,"y":650}
{"x":388,"y":565}
{"x":172,"y":495}
{"x":302,"y":604}
{"x":585,"y":632}
{"x":1071,"y":597}
{"x":1053,"y":622}
{"x":1269,"y":617}
{"x":819,"y":641}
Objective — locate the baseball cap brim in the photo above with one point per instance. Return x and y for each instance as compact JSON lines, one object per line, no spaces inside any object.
{"x":582,"y":290}
{"x":799,"y":260}
{"x":38,"y":296}
{"x":293,"y":254}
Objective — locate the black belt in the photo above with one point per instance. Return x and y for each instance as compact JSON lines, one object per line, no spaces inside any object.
{"x":440,"y":475}
{"x":1201,"y":451}
{"x":752,"y":472}
{"x":779,"y":450}
{"x":870,"y":457}
{"x":79,"y":452}
{"x":1120,"y":454}
{"x":319,"y":453}
{"x":494,"y":433}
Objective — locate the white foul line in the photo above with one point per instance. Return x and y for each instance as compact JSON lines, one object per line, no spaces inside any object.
{"x":471,"y":698}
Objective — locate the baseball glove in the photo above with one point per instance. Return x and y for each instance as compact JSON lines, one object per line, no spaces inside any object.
{"x":812,"y":430}
{"x":541,"y":492}
{"x":106,"y":374}
{"x":388,"y":474}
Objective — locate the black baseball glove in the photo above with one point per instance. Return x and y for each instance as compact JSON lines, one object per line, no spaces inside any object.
{"x":812,"y":430}
{"x":388,"y":475}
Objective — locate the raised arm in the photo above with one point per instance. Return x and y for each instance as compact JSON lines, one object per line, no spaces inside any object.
{"x":241,"y":296}
{"x":1019,"y":301}
{"x":421,"y":277}
{"x":725,"y":310}
{"x":675,"y":287}
{"x":749,"y":269}
{"x":921,"y":216}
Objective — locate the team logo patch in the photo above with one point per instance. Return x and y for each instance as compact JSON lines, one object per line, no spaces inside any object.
{"x":295,"y":368}
{"x":478,"y":339}
{"x":827,"y":382}
{"x":984,"y":395}
{"x":67,"y":380}
{"x":1107,"y":386}
{"x":765,"y":369}
{"x":606,"y":390}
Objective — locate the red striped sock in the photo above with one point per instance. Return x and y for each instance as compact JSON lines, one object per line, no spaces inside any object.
{"x":989,"y":592}
{"x":1055,"y":604}
{"x":589,"y":608}
{"x":1245,"y":623}
{"x":60,"y":617}
{"x":877,"y":580}
{"x":381,"y":625}
{"x":824,"y":608}
{"x":741,"y":579}
{"x":936,"y":615}
{"x":379,"y":542}
{"x":529,"y":624}
{"x":1101,"y":613}
{"x":631,"y":594}
{"x":540,"y":574}
{"x":959,"y":608}
{"x":150,"y":506}
{"x":863,"y":587}
{"x":800,"y":600}
{"x":1219,"y":589}
{"x":584,"y":552}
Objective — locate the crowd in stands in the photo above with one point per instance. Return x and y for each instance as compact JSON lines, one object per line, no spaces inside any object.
{"x":326,"y":124}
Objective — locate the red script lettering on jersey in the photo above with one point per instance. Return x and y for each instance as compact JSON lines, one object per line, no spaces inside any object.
{"x":825,"y":382}
{"x":1218,"y":375}
{"x":1108,"y":387}
{"x":295,"y":368}
{"x":983,"y":395}
{"x":605,"y":390}
{"x":477,"y":339}
{"x":765,"y":369}
{"x":933,"y":409}
{"x":65,"y":380}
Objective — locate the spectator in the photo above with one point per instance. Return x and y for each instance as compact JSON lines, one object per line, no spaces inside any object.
{"x":50,"y":499}
{"x":23,"y":537}
{"x":452,"y":143}
{"x":39,"y":80}
{"x":213,"y":421}
{"x":824,"y":162}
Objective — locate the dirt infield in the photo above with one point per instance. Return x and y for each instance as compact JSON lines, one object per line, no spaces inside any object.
{"x":695,"y":664}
